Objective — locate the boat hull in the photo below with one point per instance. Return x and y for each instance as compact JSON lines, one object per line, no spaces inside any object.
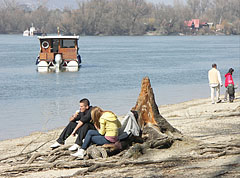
{"x":71,"y":66}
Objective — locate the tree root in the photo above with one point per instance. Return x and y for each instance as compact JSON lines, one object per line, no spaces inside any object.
{"x":125,"y":163}
{"x":216,"y":150}
{"x":206,"y":151}
{"x":35,"y":156}
{"x":27,"y":153}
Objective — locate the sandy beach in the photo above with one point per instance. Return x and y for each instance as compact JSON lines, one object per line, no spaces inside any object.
{"x":206,"y":127}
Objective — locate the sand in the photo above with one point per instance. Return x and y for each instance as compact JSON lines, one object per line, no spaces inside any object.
{"x":199,"y":121}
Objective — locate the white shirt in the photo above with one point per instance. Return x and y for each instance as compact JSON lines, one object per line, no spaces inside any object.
{"x":219,"y":79}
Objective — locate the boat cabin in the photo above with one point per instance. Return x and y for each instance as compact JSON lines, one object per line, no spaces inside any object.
{"x":58,"y":52}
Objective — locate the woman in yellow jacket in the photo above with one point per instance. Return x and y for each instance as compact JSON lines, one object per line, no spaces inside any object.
{"x":107,"y":126}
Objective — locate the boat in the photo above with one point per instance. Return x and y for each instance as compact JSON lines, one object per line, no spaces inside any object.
{"x":32,"y":32}
{"x":58,"y":53}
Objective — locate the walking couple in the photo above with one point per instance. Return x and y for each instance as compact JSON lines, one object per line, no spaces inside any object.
{"x":215,"y":82}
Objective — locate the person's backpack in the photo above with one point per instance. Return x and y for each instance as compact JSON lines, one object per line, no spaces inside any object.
{"x":129,"y":127}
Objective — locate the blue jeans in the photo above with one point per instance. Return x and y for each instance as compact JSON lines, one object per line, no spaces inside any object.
{"x":93,"y":136}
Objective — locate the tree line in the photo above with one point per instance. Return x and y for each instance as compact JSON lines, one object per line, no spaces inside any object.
{"x":122,"y":17}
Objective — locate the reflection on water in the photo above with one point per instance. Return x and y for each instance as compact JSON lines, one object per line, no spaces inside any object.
{"x":110,"y":76}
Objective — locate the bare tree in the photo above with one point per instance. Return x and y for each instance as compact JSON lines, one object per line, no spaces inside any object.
{"x":40,"y":17}
{"x":120,"y":17}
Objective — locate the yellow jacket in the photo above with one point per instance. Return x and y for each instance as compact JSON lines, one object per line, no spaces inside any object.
{"x":109,"y":124}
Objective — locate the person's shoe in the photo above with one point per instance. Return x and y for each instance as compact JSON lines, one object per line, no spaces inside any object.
{"x":55,"y":145}
{"x":74,"y":147}
{"x":219,"y":101}
{"x":80,"y":153}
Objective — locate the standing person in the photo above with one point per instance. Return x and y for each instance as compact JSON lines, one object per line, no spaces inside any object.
{"x":229,"y":84}
{"x":107,"y":125}
{"x":215,"y":82}
{"x":79,"y":124}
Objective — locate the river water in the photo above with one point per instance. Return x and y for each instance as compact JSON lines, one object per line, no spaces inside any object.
{"x":110,"y":76}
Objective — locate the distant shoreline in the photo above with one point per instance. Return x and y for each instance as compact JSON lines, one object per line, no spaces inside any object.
{"x":150,"y":34}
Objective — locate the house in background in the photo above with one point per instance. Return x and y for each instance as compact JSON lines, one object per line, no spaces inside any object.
{"x":193,"y":24}
{"x":32,"y":31}
{"x":210,"y":24}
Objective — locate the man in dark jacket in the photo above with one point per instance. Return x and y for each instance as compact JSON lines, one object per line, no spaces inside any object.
{"x":79,"y":124}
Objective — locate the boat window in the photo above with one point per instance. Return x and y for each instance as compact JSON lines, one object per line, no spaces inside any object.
{"x":55,"y":43}
{"x":67,"y":43}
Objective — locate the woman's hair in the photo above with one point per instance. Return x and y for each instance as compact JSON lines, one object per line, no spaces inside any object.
{"x":96,"y":113}
{"x":231,"y":70}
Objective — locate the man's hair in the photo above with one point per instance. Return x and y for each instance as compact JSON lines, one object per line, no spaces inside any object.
{"x":214,"y":65}
{"x":85,"y":101}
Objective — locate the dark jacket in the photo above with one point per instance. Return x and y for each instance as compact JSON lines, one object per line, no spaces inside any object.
{"x":85,"y":116}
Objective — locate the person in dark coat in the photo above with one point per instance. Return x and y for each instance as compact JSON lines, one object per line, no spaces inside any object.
{"x":79,"y":124}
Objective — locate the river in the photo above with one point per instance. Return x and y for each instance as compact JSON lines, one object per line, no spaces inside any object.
{"x":110,"y":76}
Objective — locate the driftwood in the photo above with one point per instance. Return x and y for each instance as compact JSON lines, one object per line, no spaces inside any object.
{"x":97,"y":152}
{"x":204,"y":152}
{"x":27,"y":153}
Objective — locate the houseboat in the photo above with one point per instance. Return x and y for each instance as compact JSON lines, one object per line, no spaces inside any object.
{"x":58,"y":53}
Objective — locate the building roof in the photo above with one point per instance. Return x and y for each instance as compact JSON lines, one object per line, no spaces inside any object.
{"x":58,"y":37}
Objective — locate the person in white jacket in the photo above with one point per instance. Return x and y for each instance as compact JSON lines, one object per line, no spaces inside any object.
{"x":215,"y":82}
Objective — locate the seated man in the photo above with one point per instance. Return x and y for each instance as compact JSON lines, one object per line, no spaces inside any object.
{"x":79,"y":124}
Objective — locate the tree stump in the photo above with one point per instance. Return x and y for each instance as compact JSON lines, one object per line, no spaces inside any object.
{"x":157,"y":132}
{"x":149,"y":117}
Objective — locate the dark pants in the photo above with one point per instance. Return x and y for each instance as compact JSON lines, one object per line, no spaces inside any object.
{"x":93,"y":136}
{"x":231,"y":92}
{"x":81,"y":132}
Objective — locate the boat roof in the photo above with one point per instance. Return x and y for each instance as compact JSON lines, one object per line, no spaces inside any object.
{"x":58,"y":37}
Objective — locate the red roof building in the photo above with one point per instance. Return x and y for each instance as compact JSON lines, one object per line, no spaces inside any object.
{"x":194,"y":23}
